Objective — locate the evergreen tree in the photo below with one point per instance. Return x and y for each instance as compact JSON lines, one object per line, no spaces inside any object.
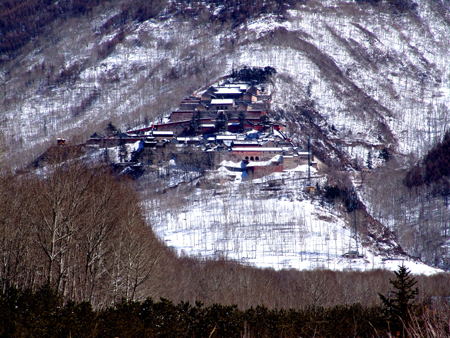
{"x":384,"y":154}
{"x":264,"y":119}
{"x":400,"y":305}
{"x":195,"y":125}
{"x":242,"y":120}
{"x":221,"y":122}
{"x":369,"y":160}
{"x":254,"y":74}
{"x":123,"y":150}
{"x":111,"y":129}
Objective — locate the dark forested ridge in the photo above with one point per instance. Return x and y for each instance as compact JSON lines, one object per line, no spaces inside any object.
{"x":434,"y":168}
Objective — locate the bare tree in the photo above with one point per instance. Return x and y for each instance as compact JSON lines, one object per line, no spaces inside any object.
{"x":60,"y":201}
{"x":135,"y":252}
{"x":16,"y":254}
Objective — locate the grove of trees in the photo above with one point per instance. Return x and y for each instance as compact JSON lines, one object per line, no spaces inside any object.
{"x":253,"y":74}
{"x":434,"y":168}
{"x":77,"y":228}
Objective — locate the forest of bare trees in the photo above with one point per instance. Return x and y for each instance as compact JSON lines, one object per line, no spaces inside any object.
{"x":78,"y":228}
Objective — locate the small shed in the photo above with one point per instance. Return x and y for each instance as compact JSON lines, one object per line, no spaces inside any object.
{"x":254,"y":90}
{"x":207,"y":96}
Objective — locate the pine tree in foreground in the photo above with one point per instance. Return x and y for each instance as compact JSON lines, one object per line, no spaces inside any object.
{"x":399,"y":304}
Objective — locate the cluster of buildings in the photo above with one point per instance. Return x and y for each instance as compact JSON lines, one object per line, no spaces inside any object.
{"x":227,"y":120}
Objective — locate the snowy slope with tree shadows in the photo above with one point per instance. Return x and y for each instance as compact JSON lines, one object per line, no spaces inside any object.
{"x":271,"y":222}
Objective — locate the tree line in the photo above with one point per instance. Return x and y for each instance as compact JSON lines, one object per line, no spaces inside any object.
{"x":24,"y":312}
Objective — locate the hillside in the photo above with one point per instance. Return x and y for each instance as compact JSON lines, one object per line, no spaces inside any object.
{"x":360,"y":78}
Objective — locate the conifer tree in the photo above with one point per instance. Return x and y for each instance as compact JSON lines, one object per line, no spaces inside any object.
{"x":241,"y":118}
{"x":111,"y":129}
{"x":195,"y":124}
{"x":384,"y":154}
{"x":369,"y":160}
{"x":221,"y":122}
{"x":400,"y":305}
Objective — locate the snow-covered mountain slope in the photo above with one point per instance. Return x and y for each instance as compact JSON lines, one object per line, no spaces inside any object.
{"x":356,"y":77}
{"x":377,"y":76}
{"x":271,"y":222}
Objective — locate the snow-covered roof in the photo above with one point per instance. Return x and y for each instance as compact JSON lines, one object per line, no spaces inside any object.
{"x":231,"y":164}
{"x":162,"y":133}
{"x":278,"y":133}
{"x":241,"y":86}
{"x":228,"y":91}
{"x":246,"y":142}
{"x":258,"y":149}
{"x":136,"y":146}
{"x":186,"y":139}
{"x":225,"y":137}
{"x":222,"y":101}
